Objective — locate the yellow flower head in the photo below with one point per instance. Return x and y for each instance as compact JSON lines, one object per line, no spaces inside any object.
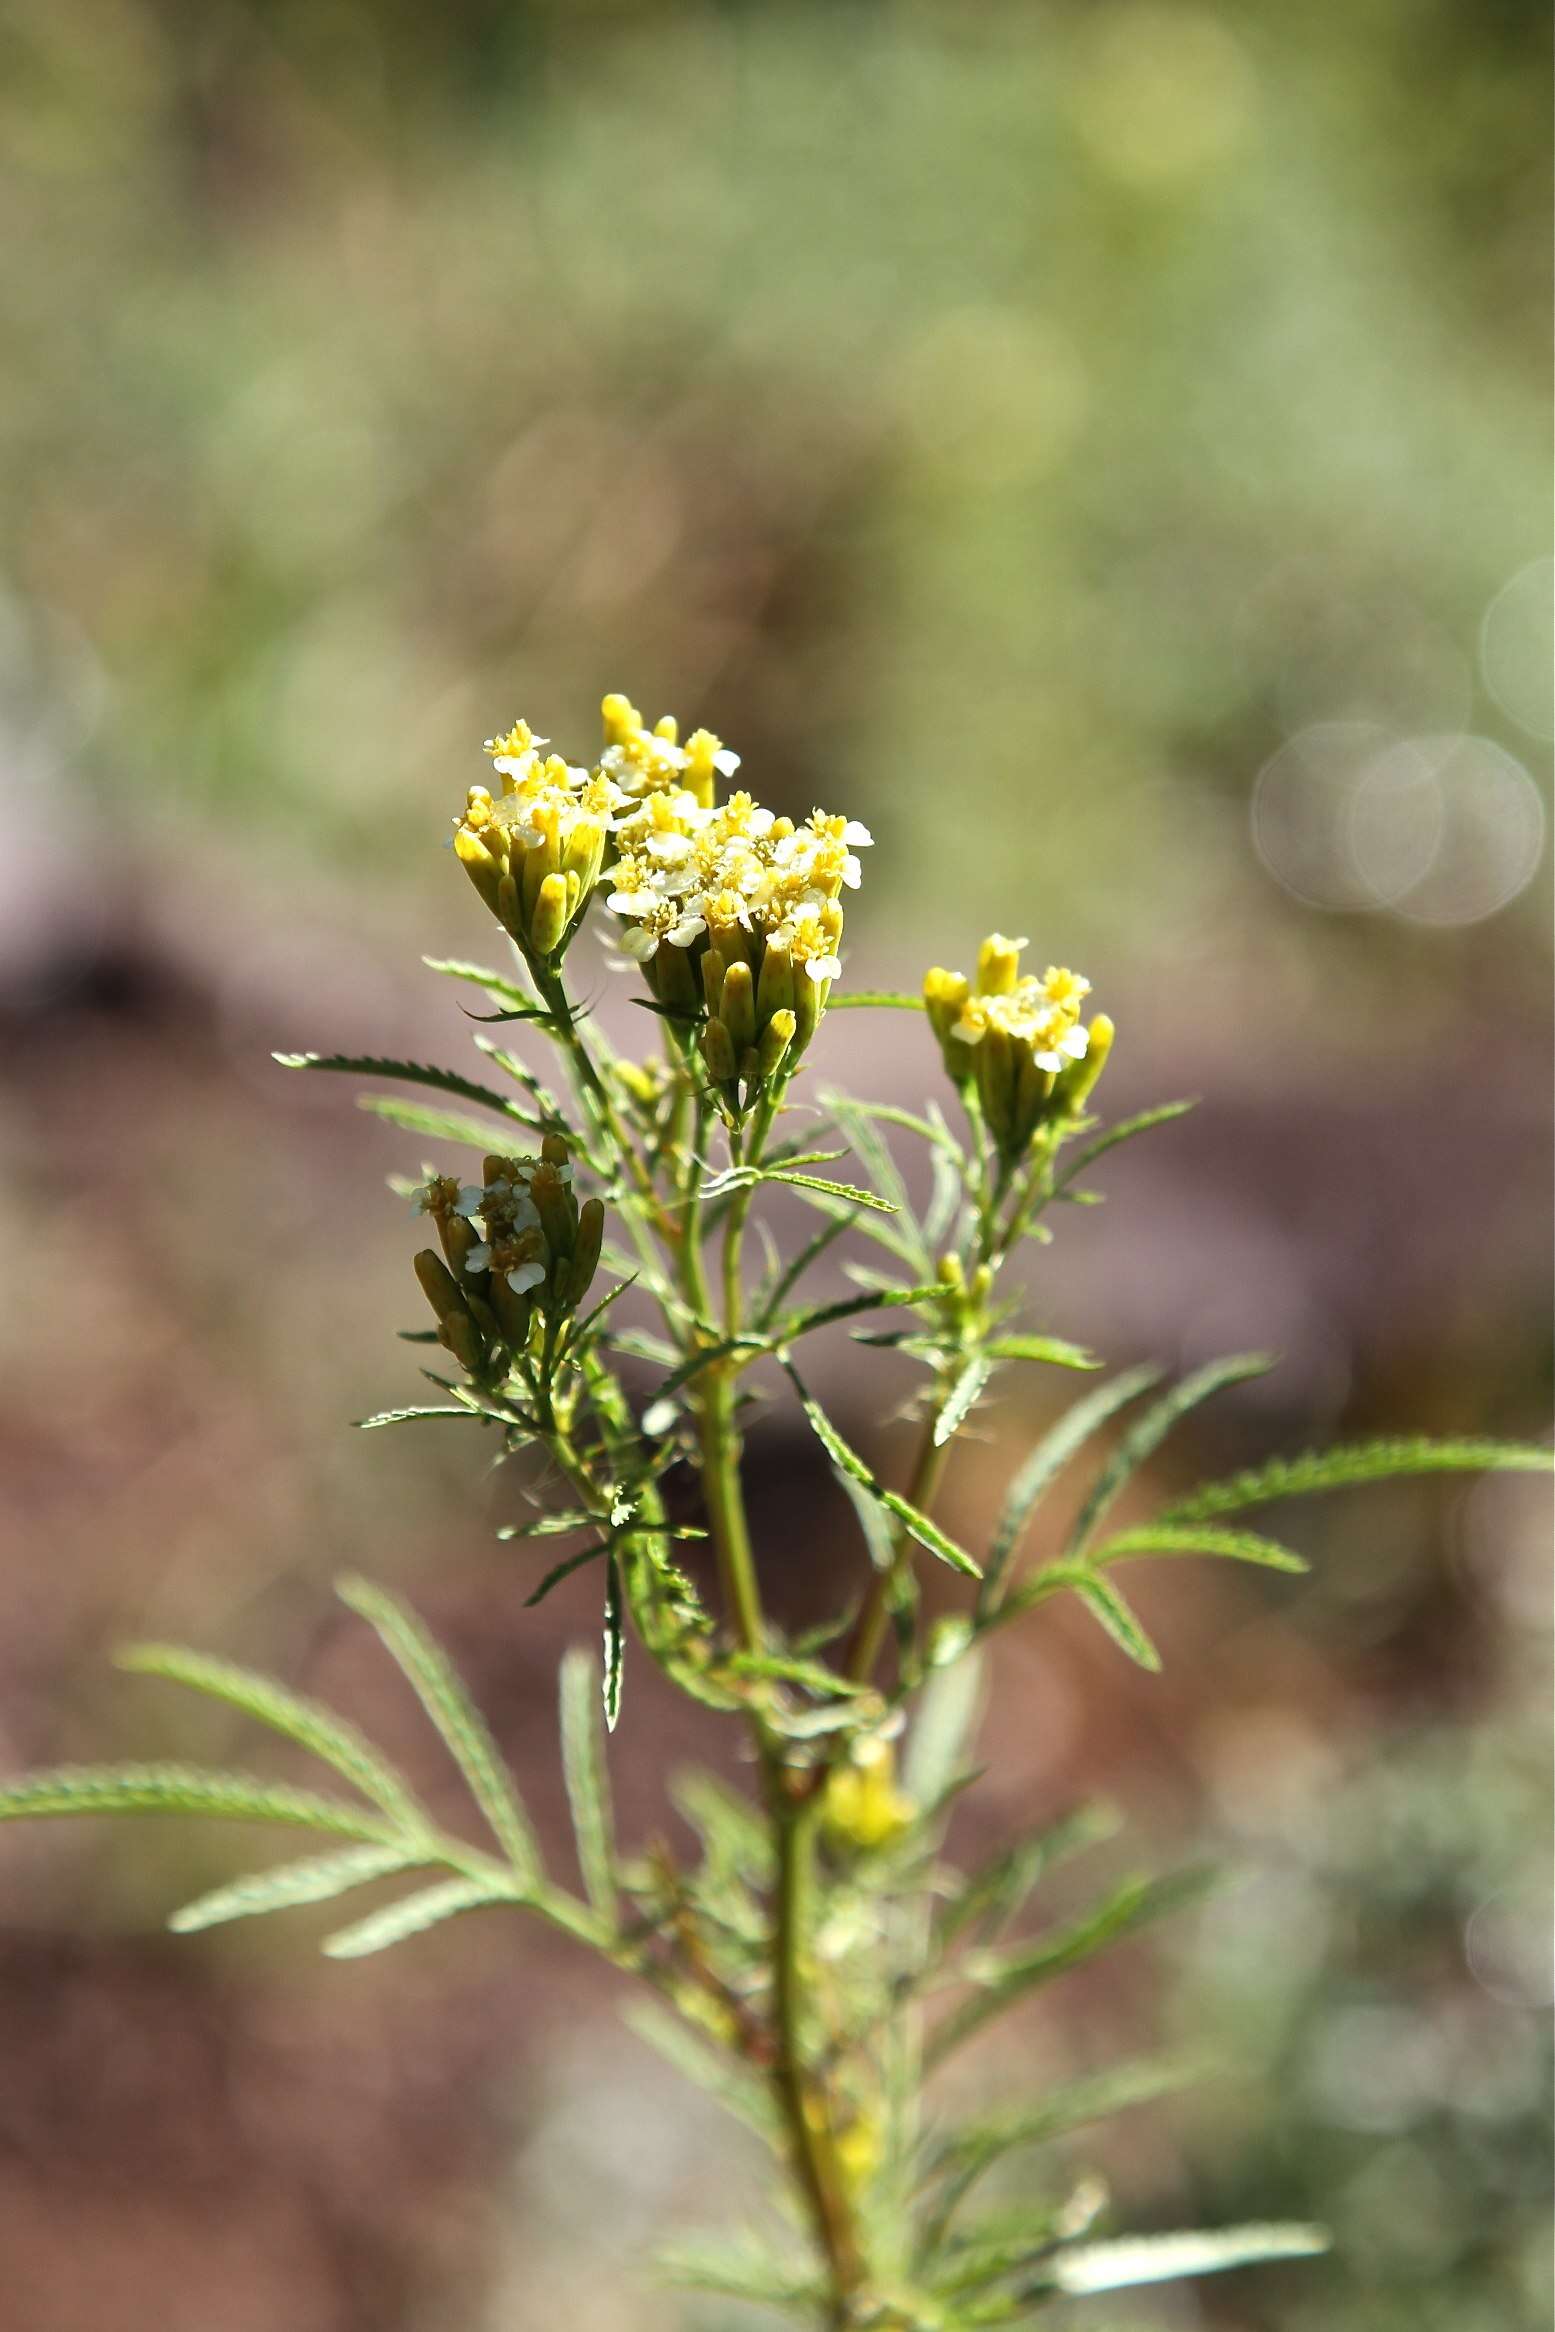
{"x":1018,"y":1040}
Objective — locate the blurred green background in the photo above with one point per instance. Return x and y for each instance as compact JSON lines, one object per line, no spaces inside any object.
{"x":1105,"y":446}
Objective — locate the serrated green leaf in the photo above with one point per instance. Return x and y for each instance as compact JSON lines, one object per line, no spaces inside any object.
{"x":962,"y":1398}
{"x":928,"y":1534}
{"x":1075,"y":2105}
{"x":849,"y":1307}
{"x":316,"y":1880}
{"x":1124,"y":1131}
{"x":307,"y":1722}
{"x":1052,"y":1349}
{"x":615,"y":1643}
{"x":843,"y":1190}
{"x":1105,"y":1604}
{"x":587,"y":1781}
{"x":993,"y":1894}
{"x":417,"y":1416}
{"x":1004,"y":1978}
{"x":507,"y":991}
{"x":1160,"y":1538}
{"x":438,"y":1125}
{"x":848,"y":1462}
{"x":408,"y":1073}
{"x":1147,"y":1433}
{"x":1352,"y":1463}
{"x":1108,"y":2267}
{"x":412,"y":1915}
{"x":442,"y":1695}
{"x":1058,"y":1445}
{"x":183,"y":1789}
{"x":564,"y":1570}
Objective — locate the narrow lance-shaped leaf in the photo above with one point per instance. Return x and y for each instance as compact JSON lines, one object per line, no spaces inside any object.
{"x":1108,"y":1606}
{"x":1053,"y":1349}
{"x":438,"y":1125}
{"x":1148,"y":1432}
{"x":451,"y":1710}
{"x":1124,"y":1131}
{"x":1161,"y":1538}
{"x":1140,"y":2259}
{"x":940,"y":1738}
{"x":995,"y":1893}
{"x":962,"y":1398}
{"x":412,"y":1915}
{"x":416,"y":1416}
{"x":588,"y":1782}
{"x":917,"y":1525}
{"x":504,"y":990}
{"x":183,"y":1789}
{"x":1351,"y":1463}
{"x":1008,"y":1977}
{"x":615,"y":1643}
{"x":1052,"y":1453}
{"x":307,"y":1722}
{"x":316,"y":1880}
{"x":407,"y":1073}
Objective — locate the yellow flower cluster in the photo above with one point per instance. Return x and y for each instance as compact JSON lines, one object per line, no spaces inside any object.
{"x":736,"y":916}
{"x":1017,"y":1040}
{"x":534,"y":851}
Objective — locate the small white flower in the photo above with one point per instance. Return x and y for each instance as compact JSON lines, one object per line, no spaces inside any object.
{"x":824,"y":967}
{"x":469,"y":1201}
{"x":526,"y":1276}
{"x":479,"y":1257}
{"x":858,"y":835}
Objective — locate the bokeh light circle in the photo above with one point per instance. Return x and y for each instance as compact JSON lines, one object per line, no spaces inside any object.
{"x":1301,"y":810}
{"x":1492,"y":831}
{"x":1515,"y":648}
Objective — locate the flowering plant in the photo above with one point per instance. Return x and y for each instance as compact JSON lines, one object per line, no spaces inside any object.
{"x":820,"y":1958}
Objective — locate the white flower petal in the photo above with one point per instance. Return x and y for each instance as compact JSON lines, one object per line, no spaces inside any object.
{"x":823,"y":967}
{"x":526,"y":1276}
{"x":858,"y":835}
{"x":479,"y":1258}
{"x":1074,"y":1043}
{"x":725,"y":762}
{"x":639,"y":945}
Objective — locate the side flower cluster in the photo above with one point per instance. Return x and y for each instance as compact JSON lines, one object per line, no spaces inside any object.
{"x":518,"y":1253}
{"x":1016,"y":1042}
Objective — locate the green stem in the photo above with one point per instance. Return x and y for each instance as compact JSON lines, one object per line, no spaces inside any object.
{"x":869,"y":1629}
{"x":805,"y":2109}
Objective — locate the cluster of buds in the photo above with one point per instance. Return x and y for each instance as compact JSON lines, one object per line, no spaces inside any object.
{"x":517,"y":1252}
{"x":735,"y":916}
{"x":534,"y":851}
{"x":1017,"y":1043}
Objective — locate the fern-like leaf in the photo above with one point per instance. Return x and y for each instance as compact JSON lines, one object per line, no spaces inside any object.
{"x":306,"y":1722}
{"x":1351,"y":1463}
{"x":412,"y":1915}
{"x":183,"y":1789}
{"x":316,"y":1880}
{"x":588,"y":1781}
{"x":456,"y":1717}
{"x":1147,"y":1433}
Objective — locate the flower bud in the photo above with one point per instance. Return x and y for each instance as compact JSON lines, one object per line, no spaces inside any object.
{"x":548,"y":923}
{"x":737,"y":1008}
{"x":776,"y":1039}
{"x":585,"y":1253}
{"x":438,"y":1284}
{"x":718,"y":1052}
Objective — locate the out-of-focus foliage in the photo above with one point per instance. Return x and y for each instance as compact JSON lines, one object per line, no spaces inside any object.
{"x":1110,"y":391}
